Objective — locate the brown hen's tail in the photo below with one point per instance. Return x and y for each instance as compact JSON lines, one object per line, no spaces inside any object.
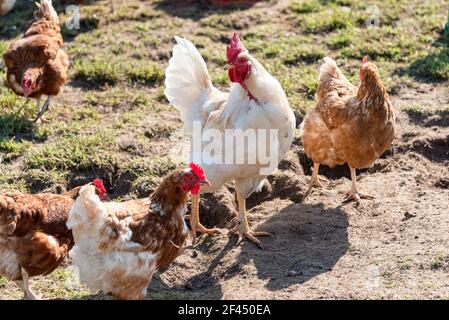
{"x":45,"y":10}
{"x":329,"y":70}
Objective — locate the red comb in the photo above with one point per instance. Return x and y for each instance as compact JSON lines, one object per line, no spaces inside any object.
{"x":234,"y":49}
{"x":197,"y":170}
{"x":364,"y":59}
{"x":98,"y":183}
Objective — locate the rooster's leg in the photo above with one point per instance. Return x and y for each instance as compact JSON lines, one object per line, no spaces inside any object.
{"x":354,"y":194}
{"x":44,"y":108}
{"x":195,"y":224}
{"x":25,"y":286}
{"x":243,"y":227}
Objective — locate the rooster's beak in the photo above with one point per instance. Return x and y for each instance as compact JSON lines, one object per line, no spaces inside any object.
{"x":205,"y":182}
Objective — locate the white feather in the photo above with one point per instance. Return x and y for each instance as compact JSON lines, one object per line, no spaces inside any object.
{"x":189,"y":89}
{"x":101,"y":258}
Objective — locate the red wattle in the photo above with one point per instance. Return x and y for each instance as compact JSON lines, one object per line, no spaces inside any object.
{"x":195,"y":190}
{"x":231,"y":74}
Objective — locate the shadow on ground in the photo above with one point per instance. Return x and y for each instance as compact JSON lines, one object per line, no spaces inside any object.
{"x":435,"y":66}
{"x":195,"y":9}
{"x":307,"y":240}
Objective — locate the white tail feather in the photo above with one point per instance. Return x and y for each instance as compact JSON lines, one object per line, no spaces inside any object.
{"x":187,"y":82}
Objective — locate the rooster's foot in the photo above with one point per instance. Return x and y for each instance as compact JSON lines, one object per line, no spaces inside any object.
{"x":250,"y":235}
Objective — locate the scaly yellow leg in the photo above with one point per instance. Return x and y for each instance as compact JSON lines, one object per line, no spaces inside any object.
{"x":354,"y":194}
{"x":242,"y":228}
{"x":195,"y":224}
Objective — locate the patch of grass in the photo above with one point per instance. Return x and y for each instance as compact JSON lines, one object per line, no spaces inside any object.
{"x":439,"y":262}
{"x":327,"y":20}
{"x":75,"y":153}
{"x":96,"y":72}
{"x":435,"y":65}
{"x":306,"y":55}
{"x":340,"y":40}
{"x":11,"y":149}
{"x":305,"y":6}
{"x":100,"y":72}
{"x":405,"y":264}
{"x":86,"y":113}
{"x":145,"y":73}
{"x":3,"y":48}
{"x":415,"y":110}
{"x":3,"y":281}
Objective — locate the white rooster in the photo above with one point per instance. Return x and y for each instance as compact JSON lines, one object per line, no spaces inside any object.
{"x":256,"y":102}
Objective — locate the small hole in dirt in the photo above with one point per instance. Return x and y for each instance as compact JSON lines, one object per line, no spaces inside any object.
{"x":442,"y":183}
{"x":436,"y":150}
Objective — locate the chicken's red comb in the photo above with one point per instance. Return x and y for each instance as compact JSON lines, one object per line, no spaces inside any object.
{"x":364,"y":59}
{"x":98,"y":183}
{"x":234,"y":49}
{"x":197,"y":170}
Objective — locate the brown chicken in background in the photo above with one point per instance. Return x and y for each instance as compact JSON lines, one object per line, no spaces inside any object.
{"x":36,"y":64}
{"x":34,"y":238}
{"x":119,"y":245}
{"x":348,"y":125}
{"x":6,"y":6}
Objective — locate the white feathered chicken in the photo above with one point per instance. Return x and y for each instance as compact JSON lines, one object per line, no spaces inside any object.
{"x":256,"y":101}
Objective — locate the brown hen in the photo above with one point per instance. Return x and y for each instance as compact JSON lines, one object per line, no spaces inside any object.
{"x":348,"y":125}
{"x":119,"y":245}
{"x":36,"y":64}
{"x":33,"y":237}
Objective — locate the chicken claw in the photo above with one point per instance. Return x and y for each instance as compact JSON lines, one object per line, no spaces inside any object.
{"x":250,"y":235}
{"x":201,"y":229}
{"x":356,"y":196}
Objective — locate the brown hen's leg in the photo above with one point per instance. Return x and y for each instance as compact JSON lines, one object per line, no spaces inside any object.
{"x":354,"y":194}
{"x":314,"y":180}
{"x":242,"y":228}
{"x":195,"y":224}
{"x":25,"y":286}
{"x":45,"y":107}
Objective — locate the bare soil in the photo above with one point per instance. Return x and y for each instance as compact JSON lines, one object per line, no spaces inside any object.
{"x":394,"y":246}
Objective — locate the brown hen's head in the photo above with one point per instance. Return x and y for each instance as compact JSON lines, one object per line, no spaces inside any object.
{"x":100,"y":190}
{"x":369,"y":72}
{"x":192,"y":178}
{"x":240,"y":66}
{"x":28,"y":84}
{"x":364,"y":61}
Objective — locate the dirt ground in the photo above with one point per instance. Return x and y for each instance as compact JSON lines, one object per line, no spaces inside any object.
{"x":392,"y":247}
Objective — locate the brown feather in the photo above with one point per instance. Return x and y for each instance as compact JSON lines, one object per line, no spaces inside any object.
{"x":33,"y":226}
